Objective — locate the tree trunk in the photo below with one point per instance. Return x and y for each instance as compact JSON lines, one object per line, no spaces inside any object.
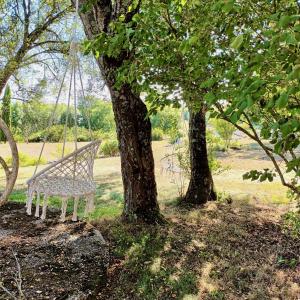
{"x":137,"y":163}
{"x":133,"y":125}
{"x":11,"y":175}
{"x":201,"y":185}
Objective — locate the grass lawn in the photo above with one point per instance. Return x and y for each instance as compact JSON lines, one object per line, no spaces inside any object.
{"x":108,"y":177}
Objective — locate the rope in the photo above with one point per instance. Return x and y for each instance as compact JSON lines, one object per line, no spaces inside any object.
{"x":75,"y":107}
{"x":75,"y":64}
{"x":88,"y":103}
{"x":67,"y":117}
{"x":50,"y":123}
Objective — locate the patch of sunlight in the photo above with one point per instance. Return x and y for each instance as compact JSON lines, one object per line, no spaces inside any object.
{"x":198,"y":244}
{"x":167,"y":246}
{"x":211,"y":206}
{"x":294,"y":290}
{"x":276,"y":199}
{"x":193,"y":215}
{"x":155,"y":267}
{"x":190,"y":297}
{"x":133,"y":250}
{"x":280,"y":277}
{"x":174,"y":277}
{"x":195,"y":245}
{"x":205,"y":283}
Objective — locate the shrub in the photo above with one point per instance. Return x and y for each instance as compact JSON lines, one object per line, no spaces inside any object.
{"x":26,"y":160}
{"x":225,"y":130}
{"x":83,"y":135}
{"x":54,"y":134}
{"x":166,"y":120}
{"x":157,"y":134}
{"x":18,"y":138}
{"x":110,"y":148}
{"x":174,"y":135}
{"x":105,"y":135}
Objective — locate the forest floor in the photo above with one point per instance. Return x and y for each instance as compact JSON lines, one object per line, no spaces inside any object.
{"x":221,"y":251}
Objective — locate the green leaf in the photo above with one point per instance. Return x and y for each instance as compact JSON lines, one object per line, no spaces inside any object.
{"x":228,"y":6}
{"x":284,"y":21}
{"x":297,"y":27}
{"x":193,"y":40}
{"x":295,"y":74}
{"x":249,"y":100}
{"x":208,"y":83}
{"x":282,"y":100}
{"x":210,"y":97}
{"x":183,"y":2}
{"x":237,"y":42}
{"x":234,"y":117}
{"x":291,"y":39}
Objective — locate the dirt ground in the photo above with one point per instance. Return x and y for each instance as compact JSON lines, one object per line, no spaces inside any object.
{"x":48,"y":260}
{"x":221,"y":251}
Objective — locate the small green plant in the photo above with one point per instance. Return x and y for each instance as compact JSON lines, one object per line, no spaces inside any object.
{"x":157,"y":134}
{"x":110,"y":148}
{"x":216,"y":295}
{"x":287,"y":262}
{"x":291,"y":221}
{"x":26,"y":160}
{"x":116,"y":196}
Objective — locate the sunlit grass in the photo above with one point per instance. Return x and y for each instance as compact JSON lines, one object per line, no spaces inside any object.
{"x":107,"y":173}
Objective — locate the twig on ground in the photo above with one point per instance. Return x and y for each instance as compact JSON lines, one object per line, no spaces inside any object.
{"x":17,"y":279}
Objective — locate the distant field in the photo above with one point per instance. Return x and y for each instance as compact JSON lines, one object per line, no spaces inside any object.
{"x":108,"y":175}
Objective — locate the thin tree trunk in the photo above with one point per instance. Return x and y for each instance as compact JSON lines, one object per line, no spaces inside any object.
{"x":133,"y":125}
{"x":11,"y":175}
{"x":201,"y":185}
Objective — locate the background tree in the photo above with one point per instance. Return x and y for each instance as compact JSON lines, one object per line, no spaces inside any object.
{"x":100,"y":19}
{"x":6,"y":111}
{"x":27,"y":35}
{"x":225,"y":130}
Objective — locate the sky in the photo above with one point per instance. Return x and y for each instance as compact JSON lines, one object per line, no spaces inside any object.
{"x":26,"y":83}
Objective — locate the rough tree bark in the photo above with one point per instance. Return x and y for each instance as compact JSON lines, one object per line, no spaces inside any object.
{"x":201,"y":185}
{"x":133,"y":126}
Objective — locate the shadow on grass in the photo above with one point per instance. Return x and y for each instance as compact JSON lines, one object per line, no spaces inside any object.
{"x":219,"y":252}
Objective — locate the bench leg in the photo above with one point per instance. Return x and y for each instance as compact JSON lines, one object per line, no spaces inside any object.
{"x":89,"y":206}
{"x":29,"y":202}
{"x":44,"y":211}
{"x":74,"y":217}
{"x":37,"y":205}
{"x":63,"y":209}
{"x":92,"y":205}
